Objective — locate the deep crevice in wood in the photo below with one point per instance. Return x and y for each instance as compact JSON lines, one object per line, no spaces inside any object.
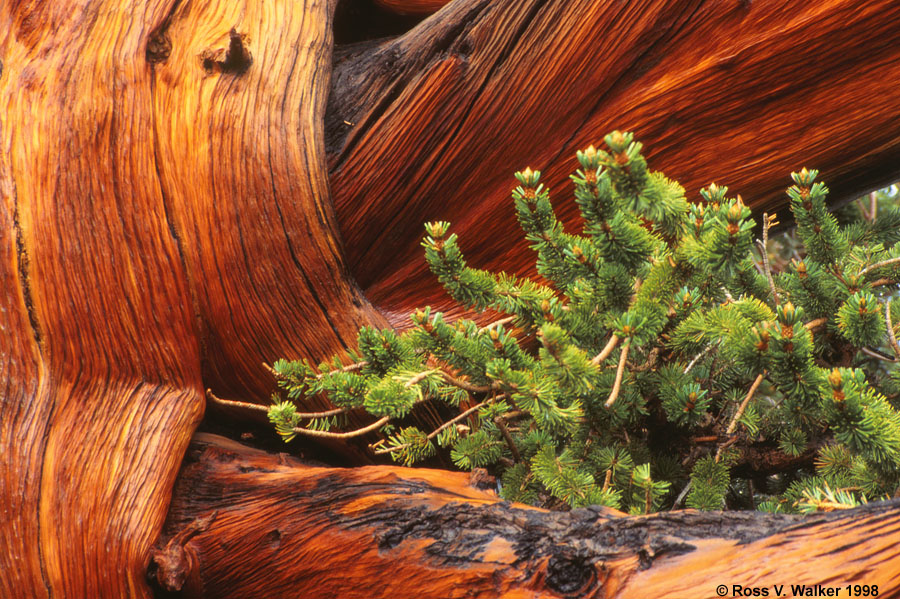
{"x":24,"y":273}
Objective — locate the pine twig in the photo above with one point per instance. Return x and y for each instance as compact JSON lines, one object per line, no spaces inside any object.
{"x":724,"y":446}
{"x":419,"y":377}
{"x":506,"y":320}
{"x":467,"y":386}
{"x":890,"y":328}
{"x":882,"y":281}
{"x":764,"y":250}
{"x":872,"y":267}
{"x":436,"y":431}
{"x":348,"y":435}
{"x":682,"y":495}
{"x":243,"y":405}
{"x":610,"y":346}
{"x":617,"y":385}
{"x":744,"y":404}
{"x":321,"y":375}
{"x":874,"y":353}
{"x":508,"y":438}
{"x":607,"y":480}
{"x":696,"y":359}
{"x":815,"y":324}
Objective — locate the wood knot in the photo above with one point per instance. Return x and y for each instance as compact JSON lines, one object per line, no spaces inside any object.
{"x":176,"y":562}
{"x":159,"y":46}
{"x":571,"y":576}
{"x":234,"y":59}
{"x":480,"y":479}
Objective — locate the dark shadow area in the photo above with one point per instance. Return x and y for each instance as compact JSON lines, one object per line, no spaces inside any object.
{"x":361,"y":20}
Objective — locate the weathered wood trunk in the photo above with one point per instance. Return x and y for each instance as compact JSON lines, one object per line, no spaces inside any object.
{"x":169,"y":217}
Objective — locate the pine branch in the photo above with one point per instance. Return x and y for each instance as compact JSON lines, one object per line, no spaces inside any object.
{"x":768,"y":221}
{"x":349,"y":368}
{"x":878,"y":265}
{"x":436,"y":431}
{"x":890,"y":328}
{"x":347,"y":435}
{"x":744,"y":404}
{"x":243,"y":405}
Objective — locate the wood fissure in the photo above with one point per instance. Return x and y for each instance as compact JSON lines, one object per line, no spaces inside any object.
{"x":23,"y":271}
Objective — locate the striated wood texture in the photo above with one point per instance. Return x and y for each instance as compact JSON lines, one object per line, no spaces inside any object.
{"x":166,"y":226}
{"x":166,"y":222}
{"x":402,"y":532}
{"x":734,"y":91}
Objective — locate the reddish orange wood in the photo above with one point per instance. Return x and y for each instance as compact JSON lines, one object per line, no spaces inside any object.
{"x":412,"y":7}
{"x":166,"y":226}
{"x":271,"y":526}
{"x":734,"y":91}
{"x":166,"y":222}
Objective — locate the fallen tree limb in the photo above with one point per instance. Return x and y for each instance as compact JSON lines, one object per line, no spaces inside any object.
{"x":283,"y":528}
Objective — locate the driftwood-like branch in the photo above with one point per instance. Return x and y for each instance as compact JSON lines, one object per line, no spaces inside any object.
{"x":733,"y":91}
{"x":287,"y":529}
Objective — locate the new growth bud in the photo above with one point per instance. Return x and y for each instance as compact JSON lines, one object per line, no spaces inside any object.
{"x":805,"y":177}
{"x":528,"y":177}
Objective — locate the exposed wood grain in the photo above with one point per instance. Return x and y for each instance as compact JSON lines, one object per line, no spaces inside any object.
{"x":102,"y":389}
{"x":166,"y":226}
{"x":246,"y":195}
{"x":737,"y":91}
{"x":402,"y":532}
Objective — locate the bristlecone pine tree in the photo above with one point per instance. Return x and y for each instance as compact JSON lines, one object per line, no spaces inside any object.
{"x":657,"y":353}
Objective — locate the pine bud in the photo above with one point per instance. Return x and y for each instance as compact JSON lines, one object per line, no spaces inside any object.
{"x":714,"y":194}
{"x":837,"y":386}
{"x":735,"y":213}
{"x":805,"y":177}
{"x":617,"y":141}
{"x":762,"y":339}
{"x":576,"y":251}
{"x":545,"y":308}
{"x":529,"y":179}
{"x":835,"y":379}
{"x":590,"y":160}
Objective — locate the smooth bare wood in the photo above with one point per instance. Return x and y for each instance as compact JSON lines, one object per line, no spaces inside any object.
{"x":166,"y":227}
{"x":734,"y":91}
{"x":403,"y":532}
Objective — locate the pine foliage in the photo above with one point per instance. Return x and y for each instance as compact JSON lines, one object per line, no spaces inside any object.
{"x":658,"y":351}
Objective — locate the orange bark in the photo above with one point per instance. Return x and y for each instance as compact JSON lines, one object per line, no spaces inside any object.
{"x":166,"y":227}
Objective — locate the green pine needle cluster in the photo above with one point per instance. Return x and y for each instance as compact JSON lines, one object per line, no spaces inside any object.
{"x":655,"y":359}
